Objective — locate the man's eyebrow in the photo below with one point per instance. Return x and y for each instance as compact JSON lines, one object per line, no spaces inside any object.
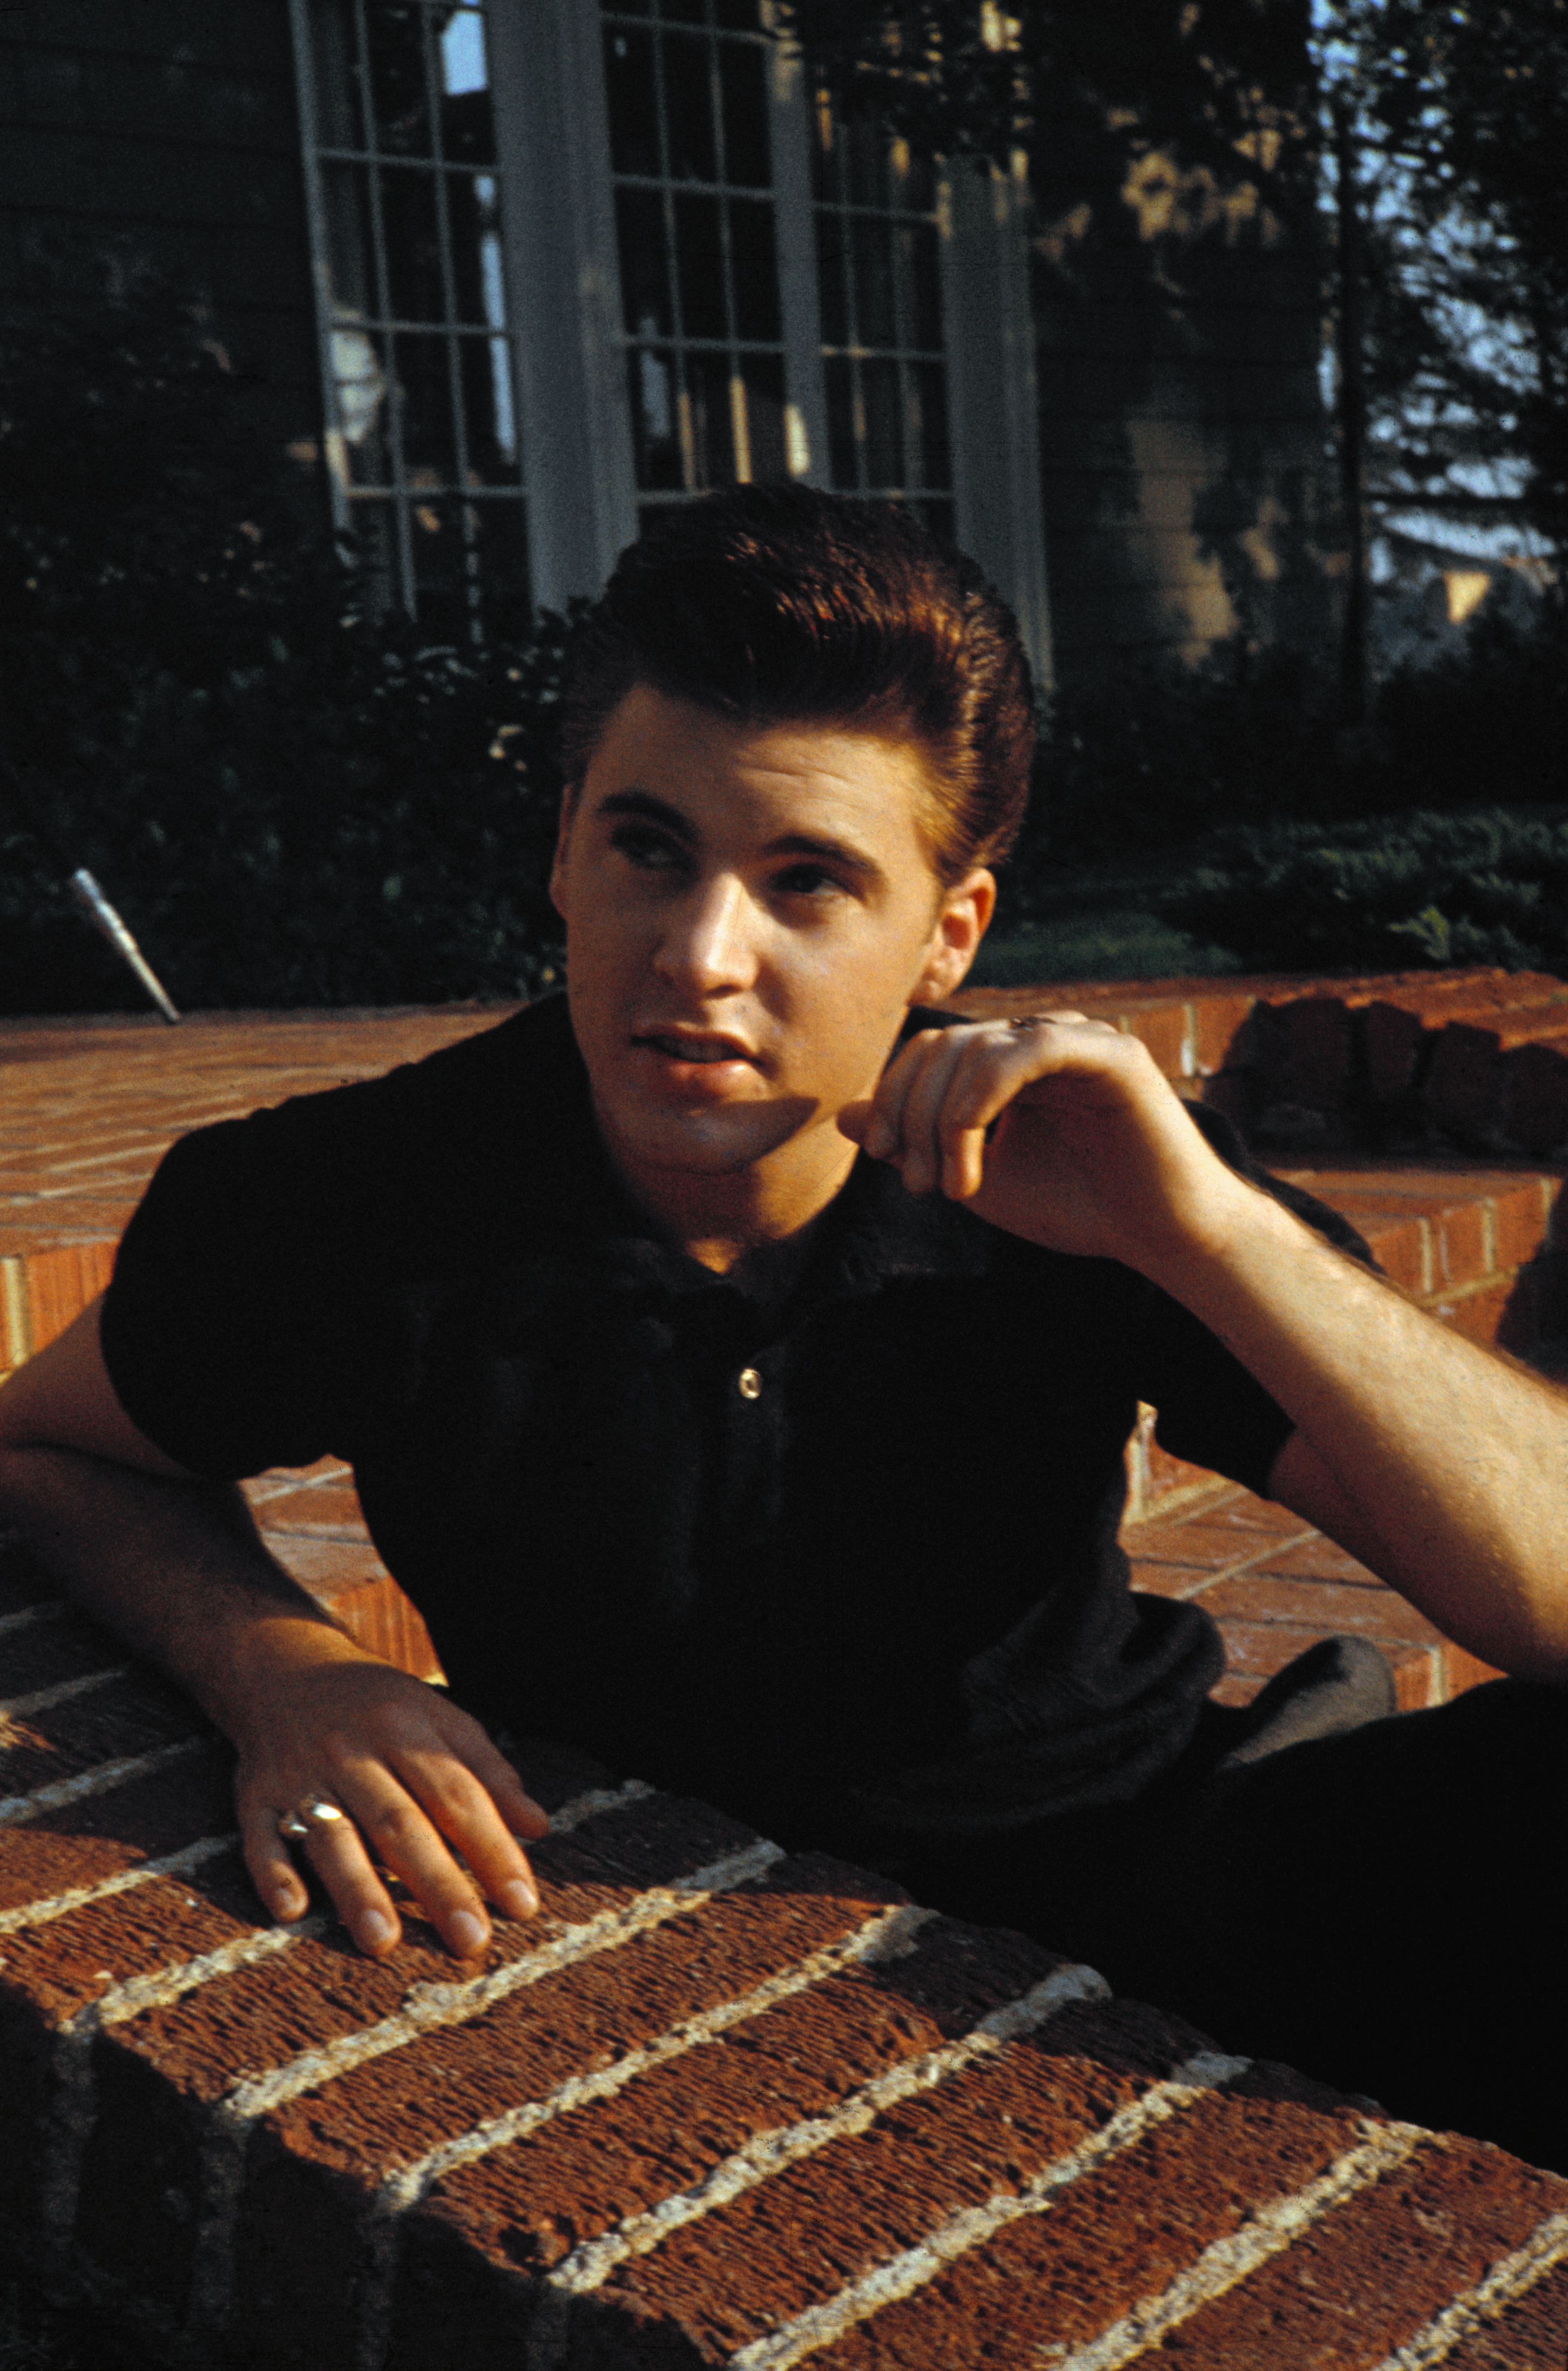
{"x":818,"y":848}
{"x":651,"y":810}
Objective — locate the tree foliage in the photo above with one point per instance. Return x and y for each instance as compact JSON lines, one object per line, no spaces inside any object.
{"x":289,"y":801}
{"x":1464,"y":113}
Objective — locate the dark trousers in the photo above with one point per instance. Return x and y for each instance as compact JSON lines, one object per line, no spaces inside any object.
{"x":1374,"y":1908}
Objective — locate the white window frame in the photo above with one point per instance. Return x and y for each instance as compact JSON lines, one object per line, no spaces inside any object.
{"x":564,"y":281}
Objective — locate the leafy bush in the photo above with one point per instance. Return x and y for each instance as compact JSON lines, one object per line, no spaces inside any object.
{"x":1383,"y":894}
{"x":291,"y":801}
{"x":1152,"y":760}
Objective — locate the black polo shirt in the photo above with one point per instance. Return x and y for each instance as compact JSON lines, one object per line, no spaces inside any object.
{"x":849,"y":1569}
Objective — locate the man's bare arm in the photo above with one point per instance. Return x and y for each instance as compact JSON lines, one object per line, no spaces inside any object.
{"x":176,"y":1567}
{"x":1444,"y":1468}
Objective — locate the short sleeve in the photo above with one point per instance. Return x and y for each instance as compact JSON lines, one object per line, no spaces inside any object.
{"x":228,"y":1294}
{"x":1208,"y":1408}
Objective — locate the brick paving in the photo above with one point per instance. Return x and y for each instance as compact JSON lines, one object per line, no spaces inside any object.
{"x":718,"y":2105}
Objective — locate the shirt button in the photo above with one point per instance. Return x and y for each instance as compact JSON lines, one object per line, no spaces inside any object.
{"x":748,"y":1382}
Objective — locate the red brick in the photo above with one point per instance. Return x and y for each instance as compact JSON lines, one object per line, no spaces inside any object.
{"x":1218,"y":1022}
{"x":773,"y":2252}
{"x":1360,"y":2283}
{"x":1115,"y":2238}
{"x":60,"y":1283}
{"x":1479,"y":1316}
{"x":1256,"y":1650}
{"x":1535,"y":1095}
{"x":1163,"y":1029}
{"x":1527,"y":2336}
{"x":1521,"y":1218}
{"x":1329,"y":1606}
{"x":1313,"y":1053}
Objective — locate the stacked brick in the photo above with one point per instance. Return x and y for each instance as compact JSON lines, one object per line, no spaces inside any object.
{"x":718,"y":2105}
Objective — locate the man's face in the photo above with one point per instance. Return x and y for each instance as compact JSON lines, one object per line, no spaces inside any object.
{"x":750,"y":913}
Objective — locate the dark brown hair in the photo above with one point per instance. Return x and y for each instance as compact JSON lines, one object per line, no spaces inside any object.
{"x":782,"y":603}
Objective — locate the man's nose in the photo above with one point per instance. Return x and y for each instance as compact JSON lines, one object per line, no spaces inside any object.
{"x":708,"y":942}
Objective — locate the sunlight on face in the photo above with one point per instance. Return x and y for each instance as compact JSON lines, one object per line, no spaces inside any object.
{"x":750,"y":913}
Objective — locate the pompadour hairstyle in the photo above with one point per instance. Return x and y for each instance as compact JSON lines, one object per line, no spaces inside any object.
{"x":781,"y":604}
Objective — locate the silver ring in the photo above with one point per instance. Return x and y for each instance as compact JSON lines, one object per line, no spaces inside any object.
{"x":1031,"y":1021}
{"x":315,"y":1809}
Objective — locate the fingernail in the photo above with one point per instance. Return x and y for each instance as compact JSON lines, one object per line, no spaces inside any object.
{"x":467,"y":1935}
{"x":519,"y":1899}
{"x":376,"y":1930}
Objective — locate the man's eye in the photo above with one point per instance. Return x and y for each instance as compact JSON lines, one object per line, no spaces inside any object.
{"x":644,"y":846}
{"x":809,"y":881}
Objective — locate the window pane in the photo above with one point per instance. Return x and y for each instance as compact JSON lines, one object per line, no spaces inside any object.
{"x":334,"y":54}
{"x":373,"y":531}
{"x":713,"y":437}
{"x":832,"y":290}
{"x":466,"y":129}
{"x":445,"y":546}
{"x":688,"y":109}
{"x":842,"y":443}
{"x":477,"y":292}
{"x":921,"y":274}
{"x":399,"y":93}
{"x":739,"y":15}
{"x":502,"y":540}
{"x":656,"y":419}
{"x":424,"y":411}
{"x":885,"y":423}
{"x":927,"y":389}
{"x":345,"y":190}
{"x":644,"y":263}
{"x":632,"y":100}
{"x":360,"y":384}
{"x":871,"y":238}
{"x":826,"y":157}
{"x":754,"y":265}
{"x":763,"y":380}
{"x":865,"y":161}
{"x":939,"y":518}
{"x":914,"y":179}
{"x":742,"y":97}
{"x":683,"y":11}
{"x":489,"y":420}
{"x":413,"y":245}
{"x":700,"y":259}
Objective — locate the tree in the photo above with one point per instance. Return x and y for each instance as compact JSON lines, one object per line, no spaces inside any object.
{"x":1463,"y":114}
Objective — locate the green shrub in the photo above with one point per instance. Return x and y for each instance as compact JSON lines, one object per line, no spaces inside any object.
{"x":291,"y":801}
{"x":1386,"y":893}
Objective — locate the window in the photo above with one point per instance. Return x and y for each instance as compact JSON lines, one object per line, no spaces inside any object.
{"x":697,"y":238}
{"x":878,"y":268}
{"x":424,"y":432}
{"x":576,"y":260}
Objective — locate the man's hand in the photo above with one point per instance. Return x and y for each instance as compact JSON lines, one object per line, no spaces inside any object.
{"x":422,"y":1790}
{"x":1059,"y":1129}
{"x":176,"y":1567}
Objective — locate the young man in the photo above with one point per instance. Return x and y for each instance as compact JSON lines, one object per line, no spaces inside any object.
{"x":737,"y":1372}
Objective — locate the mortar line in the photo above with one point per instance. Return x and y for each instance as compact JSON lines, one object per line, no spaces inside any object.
{"x":16,"y":1810}
{"x":1226,"y":2262}
{"x":887,"y":1934}
{"x":427,"y":2008}
{"x":60,"y":1691}
{"x":767,"y":2153}
{"x":48,"y":1609}
{"x":1505,"y":2285}
{"x":175,"y":1864}
{"x":900,"y":2276}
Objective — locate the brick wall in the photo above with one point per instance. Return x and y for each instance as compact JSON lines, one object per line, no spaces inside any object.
{"x":718,"y":2105}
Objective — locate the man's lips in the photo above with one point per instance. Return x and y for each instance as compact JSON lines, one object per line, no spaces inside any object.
{"x":702,"y":1049}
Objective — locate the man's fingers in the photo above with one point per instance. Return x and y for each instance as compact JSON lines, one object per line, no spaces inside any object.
{"x":463,"y":1816}
{"x":271,"y":1867}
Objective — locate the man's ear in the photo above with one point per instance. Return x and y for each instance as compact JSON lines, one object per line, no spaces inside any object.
{"x":569,"y":798}
{"x":963,"y":919}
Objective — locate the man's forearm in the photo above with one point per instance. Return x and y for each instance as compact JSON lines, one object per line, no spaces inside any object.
{"x":177,"y":1569}
{"x":1453,"y":1464}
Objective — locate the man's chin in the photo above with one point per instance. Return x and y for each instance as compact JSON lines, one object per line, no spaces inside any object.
{"x":714,"y":1143}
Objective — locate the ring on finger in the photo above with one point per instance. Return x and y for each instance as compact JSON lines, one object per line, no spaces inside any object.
{"x":316,"y":1811}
